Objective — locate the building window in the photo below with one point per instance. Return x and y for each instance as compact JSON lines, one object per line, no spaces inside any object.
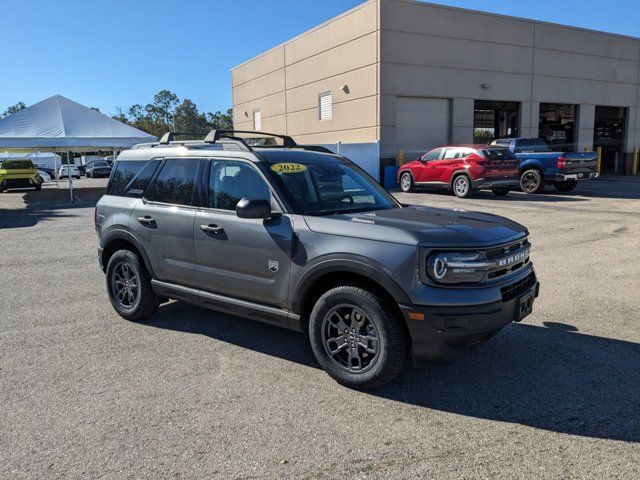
{"x":257,"y":120}
{"x":325,"y":105}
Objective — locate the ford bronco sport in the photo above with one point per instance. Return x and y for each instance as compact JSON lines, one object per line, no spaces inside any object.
{"x":299,"y":237}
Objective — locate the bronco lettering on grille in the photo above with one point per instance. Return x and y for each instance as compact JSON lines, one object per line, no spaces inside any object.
{"x":515,"y":258}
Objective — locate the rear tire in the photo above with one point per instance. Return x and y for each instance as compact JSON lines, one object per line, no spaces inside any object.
{"x":531,"y":181}
{"x":357,"y":337}
{"x":566,"y":186}
{"x":38,"y":187}
{"x":407,"y":184}
{"x":461,"y":186}
{"x":501,"y":192}
{"x":129,"y":286}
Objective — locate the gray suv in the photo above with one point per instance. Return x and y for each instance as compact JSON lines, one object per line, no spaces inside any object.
{"x":299,"y":237}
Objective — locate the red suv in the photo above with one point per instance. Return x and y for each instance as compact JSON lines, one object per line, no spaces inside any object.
{"x":462,"y":169}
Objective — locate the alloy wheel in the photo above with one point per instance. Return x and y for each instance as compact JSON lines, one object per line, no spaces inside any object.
{"x":529,"y":182}
{"x":405,"y":182}
{"x":350,"y":338}
{"x":125,"y":285}
{"x":461,"y":186}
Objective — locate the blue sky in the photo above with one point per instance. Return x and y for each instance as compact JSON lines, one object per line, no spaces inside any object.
{"x":116,"y":53}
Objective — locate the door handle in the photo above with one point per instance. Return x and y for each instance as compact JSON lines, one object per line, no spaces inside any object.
{"x":147,"y":220}
{"x":212,"y":228}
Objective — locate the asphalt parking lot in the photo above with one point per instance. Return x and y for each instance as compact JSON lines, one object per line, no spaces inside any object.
{"x":197,"y":394}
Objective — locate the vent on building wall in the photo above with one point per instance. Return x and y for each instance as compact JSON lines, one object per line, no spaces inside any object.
{"x":326,"y":106}
{"x":257,"y":120}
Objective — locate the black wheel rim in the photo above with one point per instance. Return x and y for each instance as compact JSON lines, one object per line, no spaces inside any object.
{"x":529,"y":182}
{"x":125,"y":285}
{"x":350,"y":338}
{"x":461,"y":186}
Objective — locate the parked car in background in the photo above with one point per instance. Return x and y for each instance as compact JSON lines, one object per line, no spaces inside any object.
{"x":110,"y":159}
{"x":540,"y":165}
{"x":18,"y":173}
{"x":462,"y":169}
{"x":66,"y":169}
{"x":42,"y":167}
{"x":43,"y":177}
{"x":98,"y":168}
{"x":82,"y":169}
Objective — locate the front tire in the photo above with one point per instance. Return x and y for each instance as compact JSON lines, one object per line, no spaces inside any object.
{"x":357,"y":337}
{"x":461,"y":186}
{"x":566,"y":186}
{"x":501,"y":192}
{"x":129,"y":286}
{"x":531,"y":181}
{"x":407,"y":184}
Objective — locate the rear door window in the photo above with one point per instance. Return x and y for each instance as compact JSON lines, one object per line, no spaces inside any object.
{"x":175,"y":182}
{"x":451,"y":153}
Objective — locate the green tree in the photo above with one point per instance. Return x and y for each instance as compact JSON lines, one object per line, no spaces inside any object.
{"x":220,"y":121}
{"x":186,"y":118}
{"x":120,"y":115}
{"x":164,"y":104}
{"x":167,"y":113}
{"x":13,"y":109}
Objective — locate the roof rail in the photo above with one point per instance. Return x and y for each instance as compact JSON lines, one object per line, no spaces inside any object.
{"x":171,"y":136}
{"x":215,"y":135}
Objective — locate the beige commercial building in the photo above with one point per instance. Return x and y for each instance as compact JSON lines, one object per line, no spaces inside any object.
{"x":392,"y":75}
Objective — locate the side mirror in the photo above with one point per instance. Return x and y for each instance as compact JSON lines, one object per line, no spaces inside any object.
{"x":254,"y":209}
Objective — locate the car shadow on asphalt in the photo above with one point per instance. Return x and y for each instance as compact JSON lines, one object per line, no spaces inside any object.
{"x":550,"y":377}
{"x":511,"y":197}
{"x":46,"y":204}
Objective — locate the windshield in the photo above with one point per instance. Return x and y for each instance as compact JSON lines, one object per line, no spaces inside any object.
{"x":100,"y":164}
{"x":16,"y":164}
{"x":329,"y":185}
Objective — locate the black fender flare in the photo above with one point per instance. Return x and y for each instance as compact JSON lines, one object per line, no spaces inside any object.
{"x":119,"y":233}
{"x":351,"y":264}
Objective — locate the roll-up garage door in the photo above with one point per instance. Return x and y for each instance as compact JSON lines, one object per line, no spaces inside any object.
{"x":421,"y":124}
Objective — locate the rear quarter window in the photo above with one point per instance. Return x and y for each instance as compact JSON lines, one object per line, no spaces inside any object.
{"x":131,"y":177}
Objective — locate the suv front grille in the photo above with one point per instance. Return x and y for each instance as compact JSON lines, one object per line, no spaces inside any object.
{"x":515,"y":289}
{"x":507,"y":258}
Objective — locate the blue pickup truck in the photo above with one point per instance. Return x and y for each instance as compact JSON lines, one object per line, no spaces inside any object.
{"x":539,"y":165}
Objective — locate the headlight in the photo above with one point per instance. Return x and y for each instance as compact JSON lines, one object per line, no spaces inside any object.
{"x":457,"y":267}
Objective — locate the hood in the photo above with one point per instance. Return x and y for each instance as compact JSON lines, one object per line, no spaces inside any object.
{"x":416,"y":225}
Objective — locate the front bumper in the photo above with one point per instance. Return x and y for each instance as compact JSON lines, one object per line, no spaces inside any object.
{"x":561,"y":177}
{"x":22,"y":182}
{"x":496,"y":182}
{"x":447,"y":333}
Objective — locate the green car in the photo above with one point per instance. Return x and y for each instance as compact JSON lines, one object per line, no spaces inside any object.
{"x":18,"y":173}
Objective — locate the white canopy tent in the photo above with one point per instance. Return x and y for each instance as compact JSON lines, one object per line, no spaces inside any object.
{"x":61,"y":125}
